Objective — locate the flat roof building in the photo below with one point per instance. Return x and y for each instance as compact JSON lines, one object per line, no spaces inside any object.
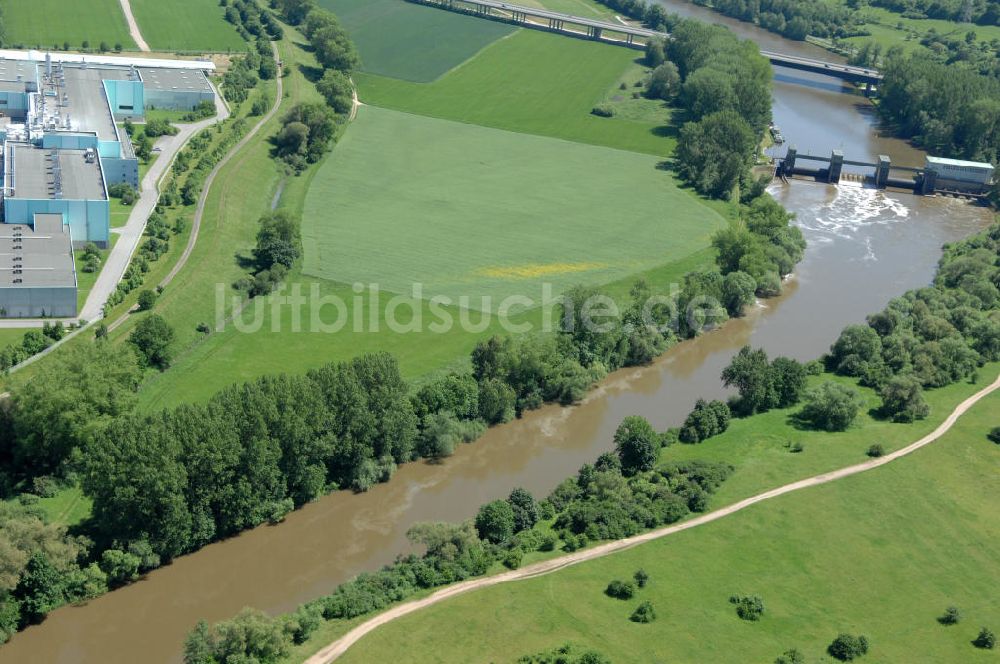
{"x":38,"y":173}
{"x":62,"y":149}
{"x":958,"y":175}
{"x":37,"y":270}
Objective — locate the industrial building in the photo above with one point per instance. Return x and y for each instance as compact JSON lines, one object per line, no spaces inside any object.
{"x":37,"y":272}
{"x":62,"y":149}
{"x":957,"y":175}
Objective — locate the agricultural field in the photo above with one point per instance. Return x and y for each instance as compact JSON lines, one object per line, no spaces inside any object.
{"x":472,"y":211}
{"x":384,"y":146}
{"x":51,"y":23}
{"x":186,"y":25}
{"x":895,"y":546}
{"x":411,"y":42}
{"x":536,"y":83}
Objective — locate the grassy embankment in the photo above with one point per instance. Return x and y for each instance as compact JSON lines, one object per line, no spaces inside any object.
{"x":339,"y":183}
{"x":186,"y":25}
{"x":51,"y":23}
{"x":881,"y":554}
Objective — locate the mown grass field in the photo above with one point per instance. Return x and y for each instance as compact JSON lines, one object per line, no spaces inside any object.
{"x":472,"y":211}
{"x":881,"y":554}
{"x":49,"y":23}
{"x":532,"y":82}
{"x":186,"y":25}
{"x":411,"y":42}
{"x":11,"y":335}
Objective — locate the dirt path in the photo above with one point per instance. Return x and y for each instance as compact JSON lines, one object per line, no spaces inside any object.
{"x":200,"y":211}
{"x":206,"y":188}
{"x":341,"y":645}
{"x":133,"y":27}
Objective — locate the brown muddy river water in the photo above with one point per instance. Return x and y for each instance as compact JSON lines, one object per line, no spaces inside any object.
{"x":864,"y":248}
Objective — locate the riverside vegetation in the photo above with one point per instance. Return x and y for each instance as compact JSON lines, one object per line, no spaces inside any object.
{"x":929,"y":337}
{"x":166,"y":484}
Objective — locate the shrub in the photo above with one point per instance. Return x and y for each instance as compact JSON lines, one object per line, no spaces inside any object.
{"x":620,"y":589}
{"x":847,"y":647}
{"x":792,"y":656}
{"x":986,"y":640}
{"x":903,"y":400}
{"x":147,"y":299}
{"x":125,"y":192}
{"x":831,"y":406}
{"x":644,"y":613}
{"x":951,"y":616}
{"x":748,"y":607}
{"x":796,"y":447}
{"x":603,"y":111}
{"x":994,"y":435}
{"x":876,"y":451}
{"x":512,"y":559}
{"x":45,"y":486}
{"x":641,"y":578}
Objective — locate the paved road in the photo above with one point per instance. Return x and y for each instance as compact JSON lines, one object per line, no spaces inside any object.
{"x":341,"y":645}
{"x":130,"y":235}
{"x":133,"y":27}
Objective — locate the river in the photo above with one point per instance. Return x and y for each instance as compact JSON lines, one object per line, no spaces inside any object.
{"x":864,"y":248}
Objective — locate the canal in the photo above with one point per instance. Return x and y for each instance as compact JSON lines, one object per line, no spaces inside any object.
{"x":865,"y":247}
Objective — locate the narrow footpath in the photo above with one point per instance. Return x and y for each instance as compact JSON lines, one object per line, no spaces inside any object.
{"x":200,"y":211}
{"x":133,"y":27}
{"x":341,"y":645}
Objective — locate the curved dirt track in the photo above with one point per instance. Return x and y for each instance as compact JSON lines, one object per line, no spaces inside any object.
{"x":133,"y":26}
{"x":200,"y":211}
{"x":341,"y":645}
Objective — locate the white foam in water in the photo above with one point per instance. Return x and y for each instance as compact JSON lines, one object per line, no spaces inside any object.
{"x":853,"y":208}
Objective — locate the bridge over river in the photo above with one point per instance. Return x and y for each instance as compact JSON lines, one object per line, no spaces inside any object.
{"x":630,"y":35}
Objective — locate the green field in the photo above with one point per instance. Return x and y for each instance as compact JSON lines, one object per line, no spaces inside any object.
{"x":881,"y":554}
{"x":186,"y":25}
{"x":471,"y":211}
{"x":893,"y":29}
{"x":411,"y":42}
{"x":11,"y":335}
{"x":50,"y":23}
{"x":531,"y":82}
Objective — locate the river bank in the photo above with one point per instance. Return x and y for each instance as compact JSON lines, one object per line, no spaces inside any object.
{"x":867,"y":244}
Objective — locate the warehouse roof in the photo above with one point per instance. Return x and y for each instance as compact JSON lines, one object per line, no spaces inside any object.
{"x":11,"y":69}
{"x":37,"y":257}
{"x":174,"y":80}
{"x":36,"y":176}
{"x":87,"y":104}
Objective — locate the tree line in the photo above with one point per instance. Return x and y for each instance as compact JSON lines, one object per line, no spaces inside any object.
{"x":168,"y":483}
{"x":617,"y":496}
{"x":310,"y":129}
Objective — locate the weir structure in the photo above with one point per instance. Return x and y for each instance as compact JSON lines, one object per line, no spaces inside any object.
{"x":925,"y":181}
{"x":631,"y":36}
